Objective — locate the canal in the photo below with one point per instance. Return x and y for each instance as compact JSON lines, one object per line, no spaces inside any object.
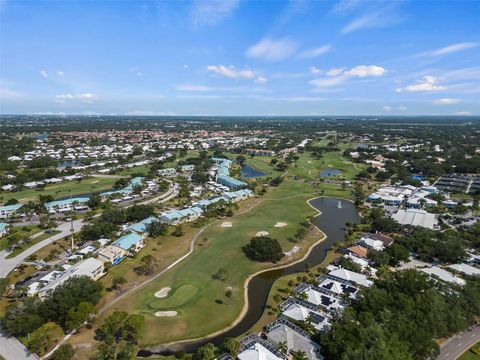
{"x":335,"y":213}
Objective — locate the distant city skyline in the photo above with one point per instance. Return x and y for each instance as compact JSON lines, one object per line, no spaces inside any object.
{"x":285,"y":58}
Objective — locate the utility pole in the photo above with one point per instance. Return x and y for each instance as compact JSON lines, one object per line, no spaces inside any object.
{"x":71,"y":223}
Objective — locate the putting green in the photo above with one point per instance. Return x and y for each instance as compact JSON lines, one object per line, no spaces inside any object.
{"x":176,"y":298}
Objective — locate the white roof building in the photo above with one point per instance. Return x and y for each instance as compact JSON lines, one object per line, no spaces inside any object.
{"x":465,"y":269}
{"x":90,"y":267}
{"x":257,"y":352}
{"x":351,"y":276}
{"x":373,"y":244}
{"x":296,"y":339}
{"x":443,"y":275}
{"x":299,"y":312}
{"x":415,"y":217}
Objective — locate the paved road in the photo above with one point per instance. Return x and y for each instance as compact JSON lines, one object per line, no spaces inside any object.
{"x":12,"y":349}
{"x":7,"y":265}
{"x":459,"y":343}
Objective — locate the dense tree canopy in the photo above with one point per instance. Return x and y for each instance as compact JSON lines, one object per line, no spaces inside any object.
{"x":263,"y":249}
{"x":399,"y":317}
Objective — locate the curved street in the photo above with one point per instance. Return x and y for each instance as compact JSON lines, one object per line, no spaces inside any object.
{"x":459,"y":343}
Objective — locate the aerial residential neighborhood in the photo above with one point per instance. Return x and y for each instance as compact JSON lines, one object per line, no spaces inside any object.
{"x":239,"y":180}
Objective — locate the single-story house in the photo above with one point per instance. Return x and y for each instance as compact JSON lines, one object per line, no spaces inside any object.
{"x":443,"y":275}
{"x":282,"y":331}
{"x":465,"y":269}
{"x":258,"y":349}
{"x":301,"y":311}
{"x":130,"y":242}
{"x":351,"y":276}
{"x":90,"y":267}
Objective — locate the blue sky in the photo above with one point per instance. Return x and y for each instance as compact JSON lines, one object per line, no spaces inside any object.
{"x":346,"y":57}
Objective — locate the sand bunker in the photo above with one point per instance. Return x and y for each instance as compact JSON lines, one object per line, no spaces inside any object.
{"x":262,"y":233}
{"x":162,"y":293}
{"x":280,"y":224}
{"x":294,"y":250}
{"x":166,"y":313}
{"x":226,"y":224}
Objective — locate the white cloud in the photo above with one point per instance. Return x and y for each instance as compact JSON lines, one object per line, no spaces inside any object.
{"x":366,"y":71}
{"x":402,"y":108}
{"x":272,"y":49}
{"x":463,"y":113}
{"x":231,"y":72}
{"x":314,"y":70}
{"x":335,"y":71}
{"x":426,"y":84}
{"x":345,"y":5}
{"x":451,"y":49}
{"x":86,"y":98}
{"x":447,"y":101}
{"x":311,"y":53}
{"x":261,"y":80}
{"x":328,"y":82}
{"x":387,"y":108}
{"x":44,"y":73}
{"x":211,"y":12}
{"x":378,"y":14}
{"x":361,"y":22}
{"x":60,"y":73}
{"x":340,"y":75}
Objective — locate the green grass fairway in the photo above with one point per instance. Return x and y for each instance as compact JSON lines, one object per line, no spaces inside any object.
{"x":85,"y":186}
{"x":334,"y":160}
{"x":220,"y":248}
{"x":144,"y":170}
{"x":176,"y":298}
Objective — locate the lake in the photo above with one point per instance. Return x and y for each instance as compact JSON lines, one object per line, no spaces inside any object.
{"x":330,"y":172}
{"x":249,"y":171}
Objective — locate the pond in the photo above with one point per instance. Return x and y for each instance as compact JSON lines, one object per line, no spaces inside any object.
{"x":330,"y":172}
{"x":68,"y":163}
{"x":334,"y":214}
{"x":249,"y":171}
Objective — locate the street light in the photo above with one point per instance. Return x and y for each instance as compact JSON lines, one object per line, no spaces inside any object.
{"x":71,"y":222}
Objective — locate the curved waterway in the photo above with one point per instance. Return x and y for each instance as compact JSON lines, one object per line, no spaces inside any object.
{"x":334,"y":214}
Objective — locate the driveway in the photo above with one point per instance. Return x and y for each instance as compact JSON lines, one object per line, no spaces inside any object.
{"x":459,"y":343}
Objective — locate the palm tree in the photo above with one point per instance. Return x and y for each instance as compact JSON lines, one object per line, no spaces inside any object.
{"x":303,"y":296}
{"x":299,"y":355}
{"x":282,"y":347}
